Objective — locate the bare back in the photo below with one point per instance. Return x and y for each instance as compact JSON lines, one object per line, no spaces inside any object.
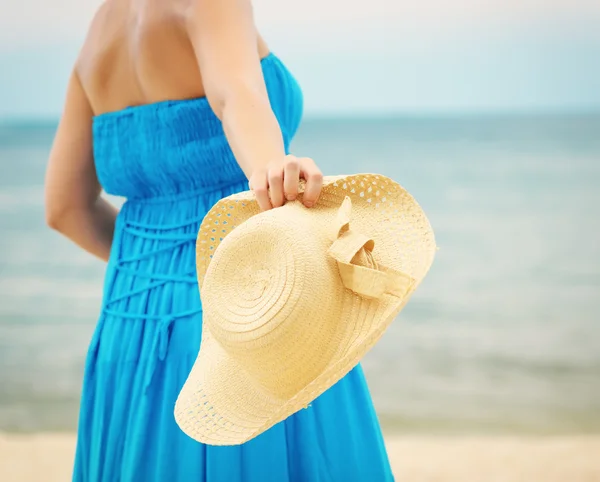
{"x":139,"y":52}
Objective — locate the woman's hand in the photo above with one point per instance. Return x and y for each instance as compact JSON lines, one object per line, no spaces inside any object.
{"x":279,"y":180}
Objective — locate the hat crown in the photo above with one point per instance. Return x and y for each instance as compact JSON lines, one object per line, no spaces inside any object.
{"x":277,"y":280}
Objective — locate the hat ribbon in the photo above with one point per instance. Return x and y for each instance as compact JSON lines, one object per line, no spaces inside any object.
{"x":371,"y":281}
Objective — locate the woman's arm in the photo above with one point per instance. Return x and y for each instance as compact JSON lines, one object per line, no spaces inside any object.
{"x":225,"y":41}
{"x":74,"y":206}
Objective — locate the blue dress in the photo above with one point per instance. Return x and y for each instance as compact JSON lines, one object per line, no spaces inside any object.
{"x":171,"y":161}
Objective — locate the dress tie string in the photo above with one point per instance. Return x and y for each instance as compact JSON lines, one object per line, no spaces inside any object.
{"x":123,"y":265}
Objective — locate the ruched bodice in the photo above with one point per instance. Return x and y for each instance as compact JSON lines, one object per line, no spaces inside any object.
{"x":170,"y":147}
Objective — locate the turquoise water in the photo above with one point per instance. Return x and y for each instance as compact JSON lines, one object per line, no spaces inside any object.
{"x":503,"y":335}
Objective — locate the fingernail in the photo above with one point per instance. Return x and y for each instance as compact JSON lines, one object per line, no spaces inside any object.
{"x":289,"y":197}
{"x":308,"y":204}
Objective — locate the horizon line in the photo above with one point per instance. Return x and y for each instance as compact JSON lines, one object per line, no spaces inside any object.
{"x":374,"y":115}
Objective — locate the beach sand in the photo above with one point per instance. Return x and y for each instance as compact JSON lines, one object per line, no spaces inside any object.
{"x":48,"y":458}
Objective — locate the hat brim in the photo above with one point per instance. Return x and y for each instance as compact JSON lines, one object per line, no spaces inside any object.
{"x":220,"y":403}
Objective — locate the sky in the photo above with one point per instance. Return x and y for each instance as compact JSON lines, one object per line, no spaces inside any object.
{"x":358,"y":57}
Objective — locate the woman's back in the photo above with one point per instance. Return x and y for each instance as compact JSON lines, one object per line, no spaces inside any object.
{"x":154,"y":130}
{"x":140,"y":52}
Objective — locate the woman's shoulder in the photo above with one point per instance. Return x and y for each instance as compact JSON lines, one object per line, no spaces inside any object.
{"x":141,"y":52}
{"x":106,"y":21}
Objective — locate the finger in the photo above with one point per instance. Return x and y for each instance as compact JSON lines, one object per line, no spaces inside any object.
{"x":261,"y":191}
{"x":276,"y":186}
{"x":291,"y":177}
{"x":314,"y":181}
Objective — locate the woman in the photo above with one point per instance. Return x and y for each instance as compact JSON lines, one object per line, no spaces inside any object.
{"x":174,"y":105}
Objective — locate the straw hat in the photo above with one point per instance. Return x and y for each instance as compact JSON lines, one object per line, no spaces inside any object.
{"x":294,"y":297}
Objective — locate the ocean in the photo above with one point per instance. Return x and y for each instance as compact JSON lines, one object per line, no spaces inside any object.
{"x":502,"y":336}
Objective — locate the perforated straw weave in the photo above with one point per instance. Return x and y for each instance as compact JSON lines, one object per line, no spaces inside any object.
{"x":294,"y":297}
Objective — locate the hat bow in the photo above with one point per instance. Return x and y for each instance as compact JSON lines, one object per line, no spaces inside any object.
{"x":358,"y":269}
